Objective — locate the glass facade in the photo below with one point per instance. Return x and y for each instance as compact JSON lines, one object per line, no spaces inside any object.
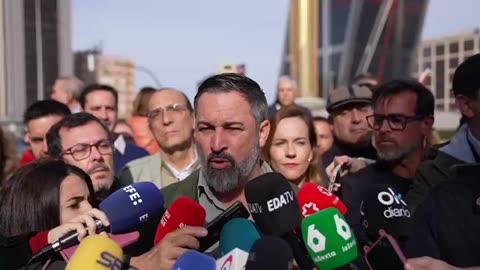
{"x":375,"y":36}
{"x":49,"y":44}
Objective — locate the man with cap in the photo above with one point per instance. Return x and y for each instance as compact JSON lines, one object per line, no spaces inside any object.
{"x":348,"y":108}
{"x":402,"y":118}
{"x":464,"y":146}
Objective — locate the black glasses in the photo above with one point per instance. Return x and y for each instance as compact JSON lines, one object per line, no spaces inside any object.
{"x":82,"y":150}
{"x":174,"y":109}
{"x":396,"y":122}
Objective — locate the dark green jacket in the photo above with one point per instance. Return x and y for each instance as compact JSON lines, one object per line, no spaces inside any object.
{"x":430,"y":173}
{"x":188,"y":187}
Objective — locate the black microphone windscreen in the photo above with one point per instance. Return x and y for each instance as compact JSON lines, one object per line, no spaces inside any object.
{"x":273,"y":204}
{"x":270,"y":252}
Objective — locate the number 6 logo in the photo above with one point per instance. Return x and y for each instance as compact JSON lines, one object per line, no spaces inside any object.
{"x":315,"y":236}
{"x":317,"y":241}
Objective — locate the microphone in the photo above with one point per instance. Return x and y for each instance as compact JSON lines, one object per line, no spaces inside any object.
{"x":230,"y":238}
{"x":183,"y":211}
{"x":270,"y":252}
{"x":275,"y":209}
{"x":385,"y":209}
{"x":194,"y":260}
{"x":233,"y":260}
{"x":313,"y":198}
{"x":125,"y":209}
{"x":329,"y":239}
{"x":96,"y":252}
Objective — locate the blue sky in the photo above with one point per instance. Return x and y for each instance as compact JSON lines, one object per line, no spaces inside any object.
{"x":184,"y":41}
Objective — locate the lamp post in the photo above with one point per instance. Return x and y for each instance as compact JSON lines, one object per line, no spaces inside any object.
{"x":149,"y":73}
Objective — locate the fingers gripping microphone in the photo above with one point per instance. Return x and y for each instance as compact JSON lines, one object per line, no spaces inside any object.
{"x":96,"y":252}
{"x":313,"y":198}
{"x":275,"y":209}
{"x":329,"y":239}
{"x":125,"y":209}
{"x":183,"y":211}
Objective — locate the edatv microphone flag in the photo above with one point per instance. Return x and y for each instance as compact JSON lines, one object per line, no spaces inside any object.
{"x":273,"y":204}
{"x":329,"y":239}
{"x":274,"y":207}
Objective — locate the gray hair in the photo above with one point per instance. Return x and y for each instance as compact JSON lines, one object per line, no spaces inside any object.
{"x":286,"y":78}
{"x":72,"y":85}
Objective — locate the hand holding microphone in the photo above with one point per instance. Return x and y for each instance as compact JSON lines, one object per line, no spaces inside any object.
{"x":84,"y":224}
{"x":178,"y":230}
{"x":169,"y":248}
{"x":125,"y":209}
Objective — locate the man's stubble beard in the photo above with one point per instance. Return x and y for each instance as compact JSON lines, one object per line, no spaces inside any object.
{"x":398,"y":153}
{"x":230,"y":178}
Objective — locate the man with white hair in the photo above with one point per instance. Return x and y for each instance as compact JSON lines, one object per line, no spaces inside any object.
{"x":67,"y":90}
{"x":286,"y":93}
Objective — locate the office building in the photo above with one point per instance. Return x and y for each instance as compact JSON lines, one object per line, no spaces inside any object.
{"x":329,"y":42}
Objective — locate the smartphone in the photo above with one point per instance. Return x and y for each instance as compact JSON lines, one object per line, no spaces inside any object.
{"x":385,"y":253}
{"x":237,"y":210}
{"x":337,"y":171}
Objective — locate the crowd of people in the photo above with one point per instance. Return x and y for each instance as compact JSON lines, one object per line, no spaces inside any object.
{"x":376,"y":144}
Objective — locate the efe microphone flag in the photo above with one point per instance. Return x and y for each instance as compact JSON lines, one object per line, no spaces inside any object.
{"x":125,"y":209}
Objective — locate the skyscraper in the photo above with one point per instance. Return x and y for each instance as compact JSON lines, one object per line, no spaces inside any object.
{"x":95,"y":67}
{"x":344,"y":38}
{"x":35,"y":48}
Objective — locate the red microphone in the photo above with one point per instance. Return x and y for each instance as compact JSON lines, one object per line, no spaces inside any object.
{"x":183,"y":211}
{"x":313,"y":198}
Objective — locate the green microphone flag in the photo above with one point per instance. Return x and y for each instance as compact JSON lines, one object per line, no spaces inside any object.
{"x":329,"y":239}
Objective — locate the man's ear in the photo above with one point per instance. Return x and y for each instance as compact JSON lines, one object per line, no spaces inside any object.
{"x":26,"y":138}
{"x":464,"y":105}
{"x":264,"y":130}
